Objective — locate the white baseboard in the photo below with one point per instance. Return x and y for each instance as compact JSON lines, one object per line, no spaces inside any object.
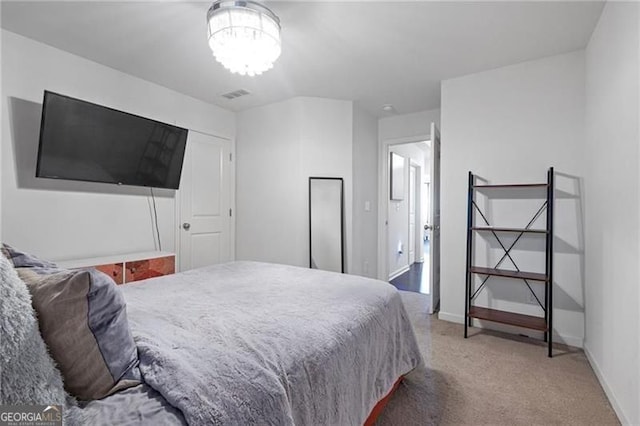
{"x":399,"y":272}
{"x":451,"y":317}
{"x":576,"y":342}
{"x":573,"y":341}
{"x":607,"y":389}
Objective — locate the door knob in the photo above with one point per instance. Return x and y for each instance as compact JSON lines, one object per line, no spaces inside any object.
{"x":427,"y":227}
{"x":186,"y":226}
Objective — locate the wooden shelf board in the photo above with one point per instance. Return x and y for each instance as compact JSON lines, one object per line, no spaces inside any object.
{"x":534,"y":276}
{"x":513,"y":185}
{"x":518,"y":230}
{"x":510,"y":318}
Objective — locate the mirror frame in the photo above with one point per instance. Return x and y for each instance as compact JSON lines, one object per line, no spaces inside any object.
{"x":342,"y":242}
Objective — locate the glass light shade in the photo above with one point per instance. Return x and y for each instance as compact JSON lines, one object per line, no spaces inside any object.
{"x":244,"y":36}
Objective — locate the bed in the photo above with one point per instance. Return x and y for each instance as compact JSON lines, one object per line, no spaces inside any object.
{"x":253,"y":343}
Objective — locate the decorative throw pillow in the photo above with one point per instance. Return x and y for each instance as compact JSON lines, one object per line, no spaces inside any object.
{"x":27,"y":373}
{"x":83,"y":321}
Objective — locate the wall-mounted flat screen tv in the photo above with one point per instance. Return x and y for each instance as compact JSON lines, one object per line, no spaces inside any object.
{"x":88,"y":142}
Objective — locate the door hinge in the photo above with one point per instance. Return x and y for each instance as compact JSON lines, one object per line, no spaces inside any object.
{"x":230,"y":157}
{"x":230,"y":213}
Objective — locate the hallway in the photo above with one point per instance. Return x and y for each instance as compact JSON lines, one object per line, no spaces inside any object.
{"x":417,"y":278}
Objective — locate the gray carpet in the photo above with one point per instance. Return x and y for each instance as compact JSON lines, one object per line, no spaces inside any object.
{"x":492,"y":379}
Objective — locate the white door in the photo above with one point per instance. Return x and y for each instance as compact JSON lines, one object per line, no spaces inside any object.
{"x":205,"y":206}
{"x":435,"y":219}
{"x":412,"y":215}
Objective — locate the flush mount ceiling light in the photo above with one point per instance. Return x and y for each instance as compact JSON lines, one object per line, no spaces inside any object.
{"x":244,"y":36}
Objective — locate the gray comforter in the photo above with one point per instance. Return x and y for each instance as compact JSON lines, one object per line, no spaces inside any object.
{"x":251,"y":343}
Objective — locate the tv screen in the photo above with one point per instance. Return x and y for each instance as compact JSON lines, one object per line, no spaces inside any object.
{"x":84,"y":141}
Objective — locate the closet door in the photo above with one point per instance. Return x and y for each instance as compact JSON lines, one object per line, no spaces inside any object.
{"x":205,"y":207}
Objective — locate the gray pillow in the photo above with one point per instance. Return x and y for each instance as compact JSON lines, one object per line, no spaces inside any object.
{"x":27,"y":372}
{"x":83,"y":320}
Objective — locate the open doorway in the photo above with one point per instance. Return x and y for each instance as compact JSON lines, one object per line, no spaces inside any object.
{"x":409,"y":268}
{"x":408,"y":254}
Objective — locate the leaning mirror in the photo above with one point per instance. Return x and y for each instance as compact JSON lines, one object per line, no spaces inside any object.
{"x":326,"y":225}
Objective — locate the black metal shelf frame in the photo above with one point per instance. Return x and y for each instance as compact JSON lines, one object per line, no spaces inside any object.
{"x":471,"y":293}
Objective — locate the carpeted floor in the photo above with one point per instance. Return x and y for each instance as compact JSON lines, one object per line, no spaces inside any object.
{"x":492,"y":379}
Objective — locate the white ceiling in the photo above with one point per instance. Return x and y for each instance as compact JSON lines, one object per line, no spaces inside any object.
{"x":373,"y":53}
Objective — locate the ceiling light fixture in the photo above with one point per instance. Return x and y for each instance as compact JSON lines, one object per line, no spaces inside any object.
{"x":244,"y":36}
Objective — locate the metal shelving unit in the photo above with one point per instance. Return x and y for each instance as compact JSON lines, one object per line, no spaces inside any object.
{"x":544,"y":324}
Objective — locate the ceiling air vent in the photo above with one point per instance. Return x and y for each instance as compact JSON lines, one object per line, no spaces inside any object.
{"x":235,"y":94}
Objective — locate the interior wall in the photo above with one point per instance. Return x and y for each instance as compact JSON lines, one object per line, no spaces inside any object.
{"x":1,"y":126}
{"x":279,"y":146}
{"x":398,"y":215}
{"x":509,"y":125}
{"x":408,"y":125}
{"x":426,"y":195}
{"x":58,"y":219}
{"x":365,"y":193}
{"x":612,"y":206}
